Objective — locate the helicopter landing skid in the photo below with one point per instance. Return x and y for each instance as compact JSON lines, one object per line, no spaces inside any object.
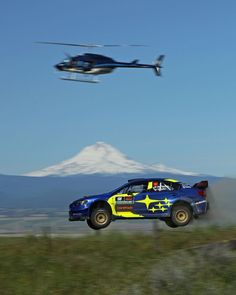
{"x":79,"y":80}
{"x":75,"y":79}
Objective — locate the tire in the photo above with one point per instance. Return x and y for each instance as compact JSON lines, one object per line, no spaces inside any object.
{"x":181,"y":215}
{"x":90,"y":224}
{"x":170,"y":223}
{"x":99,"y":218}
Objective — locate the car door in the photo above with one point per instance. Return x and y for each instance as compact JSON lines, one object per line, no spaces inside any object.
{"x":154,"y":203}
{"x":123,"y":202}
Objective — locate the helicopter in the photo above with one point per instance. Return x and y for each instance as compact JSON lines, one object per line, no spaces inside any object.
{"x":91,"y":65}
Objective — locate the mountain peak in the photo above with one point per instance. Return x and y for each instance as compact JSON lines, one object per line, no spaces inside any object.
{"x":101,"y":144}
{"x":100,"y":149}
{"x":101,"y":158}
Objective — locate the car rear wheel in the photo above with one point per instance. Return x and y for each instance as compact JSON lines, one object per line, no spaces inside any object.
{"x":170,"y":223}
{"x":181,"y":215}
{"x":100,"y":218}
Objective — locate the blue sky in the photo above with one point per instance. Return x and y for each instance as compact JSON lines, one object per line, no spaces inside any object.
{"x":185,"y":119}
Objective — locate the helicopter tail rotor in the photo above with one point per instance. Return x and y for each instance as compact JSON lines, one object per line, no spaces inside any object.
{"x":157,"y":66}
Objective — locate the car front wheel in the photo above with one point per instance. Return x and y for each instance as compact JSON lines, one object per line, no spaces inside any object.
{"x":181,"y":215}
{"x":100,"y":218}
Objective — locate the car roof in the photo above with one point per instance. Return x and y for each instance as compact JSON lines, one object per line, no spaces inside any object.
{"x":152,"y":179}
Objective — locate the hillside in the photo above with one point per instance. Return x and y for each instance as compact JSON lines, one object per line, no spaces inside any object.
{"x":58,"y":192}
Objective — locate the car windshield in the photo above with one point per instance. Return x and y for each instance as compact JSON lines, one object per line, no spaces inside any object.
{"x":132,"y":188}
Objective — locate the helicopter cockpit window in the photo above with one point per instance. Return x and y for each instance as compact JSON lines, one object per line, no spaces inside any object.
{"x":80,"y":63}
{"x":83,"y":64}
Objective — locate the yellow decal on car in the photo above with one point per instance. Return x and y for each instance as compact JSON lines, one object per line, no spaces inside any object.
{"x":147,"y":201}
{"x":170,"y":180}
{"x":150,"y":185}
{"x":161,"y":205}
{"x":122,"y":205}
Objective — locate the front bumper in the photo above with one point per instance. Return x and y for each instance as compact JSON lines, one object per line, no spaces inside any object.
{"x":78,"y":215}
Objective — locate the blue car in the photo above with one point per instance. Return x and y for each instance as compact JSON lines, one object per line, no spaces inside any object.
{"x":169,"y":200}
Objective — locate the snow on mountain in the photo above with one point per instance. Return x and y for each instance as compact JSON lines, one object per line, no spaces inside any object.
{"x":102,"y":158}
{"x":163,"y":168}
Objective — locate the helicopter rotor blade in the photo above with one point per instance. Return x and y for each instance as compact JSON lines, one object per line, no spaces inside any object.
{"x":67,"y":55}
{"x":68,"y":44}
{"x":124,"y":45}
{"x":91,"y":45}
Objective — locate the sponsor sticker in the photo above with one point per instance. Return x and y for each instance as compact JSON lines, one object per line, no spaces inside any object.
{"x":123,"y":208}
{"x":129,"y":200}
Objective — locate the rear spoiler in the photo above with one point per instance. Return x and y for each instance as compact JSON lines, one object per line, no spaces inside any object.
{"x":201,"y":185}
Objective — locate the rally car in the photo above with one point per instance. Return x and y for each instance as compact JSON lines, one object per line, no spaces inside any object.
{"x":169,"y":200}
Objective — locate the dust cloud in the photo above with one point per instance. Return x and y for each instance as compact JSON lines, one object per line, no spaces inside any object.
{"x":222,"y":198}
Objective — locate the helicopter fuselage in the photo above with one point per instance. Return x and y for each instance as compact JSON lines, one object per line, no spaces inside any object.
{"x":97,"y":64}
{"x":87,"y":63}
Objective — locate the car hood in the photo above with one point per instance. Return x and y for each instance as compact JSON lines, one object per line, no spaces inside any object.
{"x":100,"y":197}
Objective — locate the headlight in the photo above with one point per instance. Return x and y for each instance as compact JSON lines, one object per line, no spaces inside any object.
{"x":81,"y":203}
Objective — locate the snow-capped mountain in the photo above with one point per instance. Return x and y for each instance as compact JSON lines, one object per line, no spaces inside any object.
{"x":102,"y":158}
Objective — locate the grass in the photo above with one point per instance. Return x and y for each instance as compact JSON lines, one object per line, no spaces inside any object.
{"x":113,"y":263}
